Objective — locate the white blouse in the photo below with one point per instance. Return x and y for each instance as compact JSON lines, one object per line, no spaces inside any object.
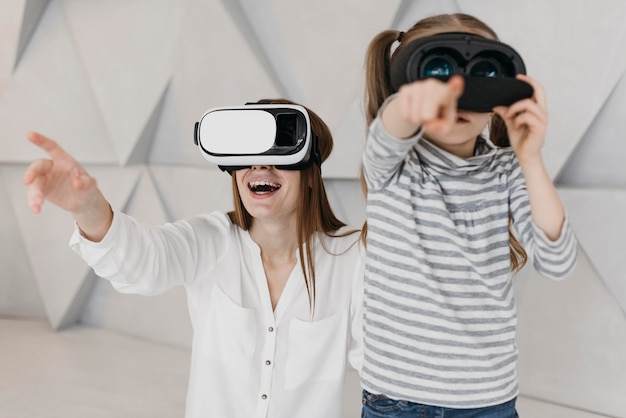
{"x":247,"y":360}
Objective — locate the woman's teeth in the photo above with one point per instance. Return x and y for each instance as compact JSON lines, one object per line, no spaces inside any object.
{"x":263,"y":187}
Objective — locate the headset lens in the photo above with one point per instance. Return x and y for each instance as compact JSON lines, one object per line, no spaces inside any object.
{"x":287,"y":129}
{"x":485,"y":68}
{"x":438,"y":66}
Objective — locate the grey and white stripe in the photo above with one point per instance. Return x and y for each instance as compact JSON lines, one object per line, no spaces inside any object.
{"x":440,"y":319}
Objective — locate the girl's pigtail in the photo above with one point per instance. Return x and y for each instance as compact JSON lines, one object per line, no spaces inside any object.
{"x":497,"y":132}
{"x":377,"y":72}
{"x":500,"y":137}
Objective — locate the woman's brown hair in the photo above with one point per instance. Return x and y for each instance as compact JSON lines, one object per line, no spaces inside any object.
{"x":378,"y":85}
{"x":314,"y":213}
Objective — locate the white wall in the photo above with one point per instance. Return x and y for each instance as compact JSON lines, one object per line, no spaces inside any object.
{"x":120,"y":83}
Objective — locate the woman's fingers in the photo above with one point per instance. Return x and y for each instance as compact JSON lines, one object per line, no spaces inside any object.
{"x":35,"y":194}
{"x":37,"y":168}
{"x":50,"y":146}
{"x":35,"y":178}
{"x":81,"y":180}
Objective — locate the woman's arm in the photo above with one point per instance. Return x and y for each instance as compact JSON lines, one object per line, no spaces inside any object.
{"x":135,"y":257}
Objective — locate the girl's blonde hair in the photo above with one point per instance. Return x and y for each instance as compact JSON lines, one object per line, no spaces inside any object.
{"x":314,"y":213}
{"x":378,"y":84}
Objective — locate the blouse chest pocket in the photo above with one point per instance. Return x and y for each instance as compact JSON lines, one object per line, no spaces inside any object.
{"x":229,"y":333}
{"x":316,"y":350}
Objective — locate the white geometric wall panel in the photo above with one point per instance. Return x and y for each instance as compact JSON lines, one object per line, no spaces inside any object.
{"x":325,"y":70}
{"x":127,"y":69}
{"x":59,"y":274}
{"x":120,"y":84}
{"x":598,"y":218}
{"x":215,"y":66}
{"x":62,"y":277}
{"x":575,"y":50}
{"x":349,"y":138}
{"x":598,"y":161}
{"x":271,"y":56}
{"x":347,"y":201}
{"x":17,"y":23}
{"x":49,"y":92}
{"x":187,"y":191}
{"x":163,"y":318}
{"x":18,"y":288}
{"x":572,"y":340}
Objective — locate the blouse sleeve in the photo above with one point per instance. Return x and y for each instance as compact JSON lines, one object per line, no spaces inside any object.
{"x":384,"y":154}
{"x":355,"y":347}
{"x":149,"y":259}
{"x":552,"y":259}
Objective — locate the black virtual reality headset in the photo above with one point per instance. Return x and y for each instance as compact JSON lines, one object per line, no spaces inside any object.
{"x":279,"y":135}
{"x":489,"y":68}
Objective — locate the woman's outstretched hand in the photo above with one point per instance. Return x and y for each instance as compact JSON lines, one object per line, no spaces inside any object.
{"x":61,"y":180}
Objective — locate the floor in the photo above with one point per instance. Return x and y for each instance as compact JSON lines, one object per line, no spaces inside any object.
{"x":97,"y":373}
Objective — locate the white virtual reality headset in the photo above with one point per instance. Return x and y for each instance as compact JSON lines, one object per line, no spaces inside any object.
{"x":279,"y":135}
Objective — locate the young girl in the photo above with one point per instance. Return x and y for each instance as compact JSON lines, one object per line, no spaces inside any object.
{"x":451,"y":217}
{"x":274,"y":288}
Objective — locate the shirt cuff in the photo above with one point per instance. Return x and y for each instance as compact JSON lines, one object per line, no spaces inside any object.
{"x":560,"y":243}
{"x":91,"y":250}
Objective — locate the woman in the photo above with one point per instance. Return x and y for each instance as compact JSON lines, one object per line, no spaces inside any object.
{"x":274,"y":288}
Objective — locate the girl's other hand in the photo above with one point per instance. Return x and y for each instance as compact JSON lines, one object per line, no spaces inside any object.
{"x":526,"y":122}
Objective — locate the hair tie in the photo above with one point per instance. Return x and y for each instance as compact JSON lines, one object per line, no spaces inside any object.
{"x":400,"y":36}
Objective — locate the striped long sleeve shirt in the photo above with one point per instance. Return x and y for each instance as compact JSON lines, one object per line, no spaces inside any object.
{"x":440,"y":316}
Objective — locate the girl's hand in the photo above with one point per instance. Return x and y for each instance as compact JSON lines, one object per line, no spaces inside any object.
{"x":430,"y":103}
{"x":59,"y":179}
{"x":526,"y":122}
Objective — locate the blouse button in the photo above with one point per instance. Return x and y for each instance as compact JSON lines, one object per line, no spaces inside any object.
{"x":267,"y":362}
{"x":264,"y":396}
{"x":271,"y":329}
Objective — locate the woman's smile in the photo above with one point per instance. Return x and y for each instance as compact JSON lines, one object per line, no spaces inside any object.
{"x":262,"y":187}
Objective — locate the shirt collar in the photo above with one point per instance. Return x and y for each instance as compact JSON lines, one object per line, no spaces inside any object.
{"x":445,"y":162}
